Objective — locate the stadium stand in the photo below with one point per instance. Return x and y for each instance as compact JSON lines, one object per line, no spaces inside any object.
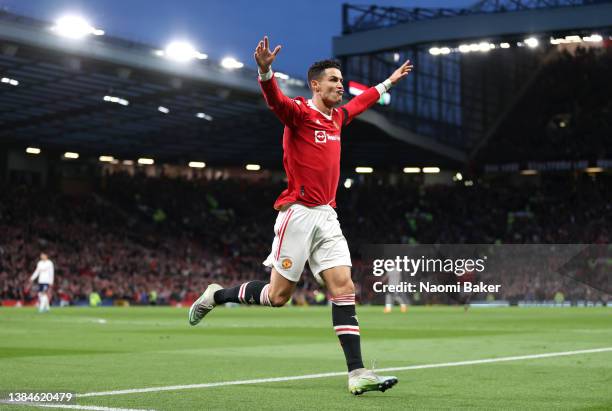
{"x":564,"y":116}
{"x":135,"y":235}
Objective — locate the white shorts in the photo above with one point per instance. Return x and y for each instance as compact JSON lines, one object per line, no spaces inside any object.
{"x":310,"y":234}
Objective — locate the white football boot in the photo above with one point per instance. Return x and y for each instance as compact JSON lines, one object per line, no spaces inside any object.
{"x":362,"y":380}
{"x":204,"y":304}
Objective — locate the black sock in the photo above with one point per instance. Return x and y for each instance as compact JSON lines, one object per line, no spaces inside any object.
{"x":253,"y":292}
{"x":347,"y":329}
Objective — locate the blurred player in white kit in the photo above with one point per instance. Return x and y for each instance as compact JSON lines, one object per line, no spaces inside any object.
{"x":45,"y":274}
{"x":394,"y":277}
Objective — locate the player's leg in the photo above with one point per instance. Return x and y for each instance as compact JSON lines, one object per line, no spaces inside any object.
{"x":388,"y":303}
{"x":43,"y":298}
{"x":46,"y":301}
{"x":275,"y":293}
{"x":330,"y":262}
{"x":340,"y":285}
{"x":40,"y":301}
{"x":293,"y":229}
{"x":402,"y":300}
{"x":287,"y":259}
{"x":344,"y":317}
{"x":49,"y":293}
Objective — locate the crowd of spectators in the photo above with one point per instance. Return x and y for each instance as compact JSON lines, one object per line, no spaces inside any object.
{"x":141,"y":240}
{"x":566,"y":114}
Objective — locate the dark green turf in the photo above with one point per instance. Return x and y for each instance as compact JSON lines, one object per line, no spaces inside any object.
{"x":90,"y":350}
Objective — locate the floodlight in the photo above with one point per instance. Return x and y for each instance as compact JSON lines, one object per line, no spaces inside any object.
{"x":231,"y":63}
{"x":532,"y":42}
{"x":180,"y":51}
{"x":75,"y":27}
{"x":412,"y":170}
{"x":364,"y":170}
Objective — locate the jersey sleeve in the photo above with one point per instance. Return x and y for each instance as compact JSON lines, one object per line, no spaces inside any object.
{"x":285,"y":108}
{"x":36,"y":272}
{"x":359,"y":104}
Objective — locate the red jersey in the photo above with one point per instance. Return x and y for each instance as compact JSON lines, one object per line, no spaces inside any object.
{"x":311,"y":144}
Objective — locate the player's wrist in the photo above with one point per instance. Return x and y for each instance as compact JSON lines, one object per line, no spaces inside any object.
{"x":265,"y":73}
{"x":384,"y":86}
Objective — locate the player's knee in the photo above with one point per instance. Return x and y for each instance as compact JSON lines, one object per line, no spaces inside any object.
{"x":343,"y":287}
{"x":278,"y":300}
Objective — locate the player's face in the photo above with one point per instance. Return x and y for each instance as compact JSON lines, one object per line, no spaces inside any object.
{"x":329,"y":87}
{"x":43,"y":256}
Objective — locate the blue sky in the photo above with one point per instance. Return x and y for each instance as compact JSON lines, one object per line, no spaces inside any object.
{"x":220,"y":28}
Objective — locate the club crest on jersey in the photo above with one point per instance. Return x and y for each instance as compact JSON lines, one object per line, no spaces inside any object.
{"x":287,"y":263}
{"x":320,"y":136}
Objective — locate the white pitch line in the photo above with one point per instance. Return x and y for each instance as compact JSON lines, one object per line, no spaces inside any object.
{"x":343,"y":373}
{"x":73,"y":407}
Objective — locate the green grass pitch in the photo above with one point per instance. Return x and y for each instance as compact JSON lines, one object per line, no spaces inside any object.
{"x":103,"y":349}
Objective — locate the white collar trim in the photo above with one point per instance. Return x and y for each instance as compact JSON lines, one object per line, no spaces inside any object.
{"x":312,"y":106}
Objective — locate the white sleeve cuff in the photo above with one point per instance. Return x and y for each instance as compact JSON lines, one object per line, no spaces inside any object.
{"x":265,"y":76}
{"x":384,"y":86}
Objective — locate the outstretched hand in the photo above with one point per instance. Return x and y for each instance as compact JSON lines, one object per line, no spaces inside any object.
{"x":263,"y":56}
{"x":401,"y":72}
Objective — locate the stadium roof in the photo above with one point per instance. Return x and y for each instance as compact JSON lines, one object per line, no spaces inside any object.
{"x":105,"y":95}
{"x":370,"y":29}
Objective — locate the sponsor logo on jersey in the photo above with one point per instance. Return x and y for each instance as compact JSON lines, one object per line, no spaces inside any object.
{"x":320,"y":136}
{"x":333,"y":138}
{"x":287,"y":263}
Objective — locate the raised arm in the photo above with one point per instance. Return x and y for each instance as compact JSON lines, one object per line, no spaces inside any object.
{"x":286,"y":109}
{"x":368,"y":98}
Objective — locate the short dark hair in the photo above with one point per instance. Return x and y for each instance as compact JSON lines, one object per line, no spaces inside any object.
{"x":318,"y":67}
